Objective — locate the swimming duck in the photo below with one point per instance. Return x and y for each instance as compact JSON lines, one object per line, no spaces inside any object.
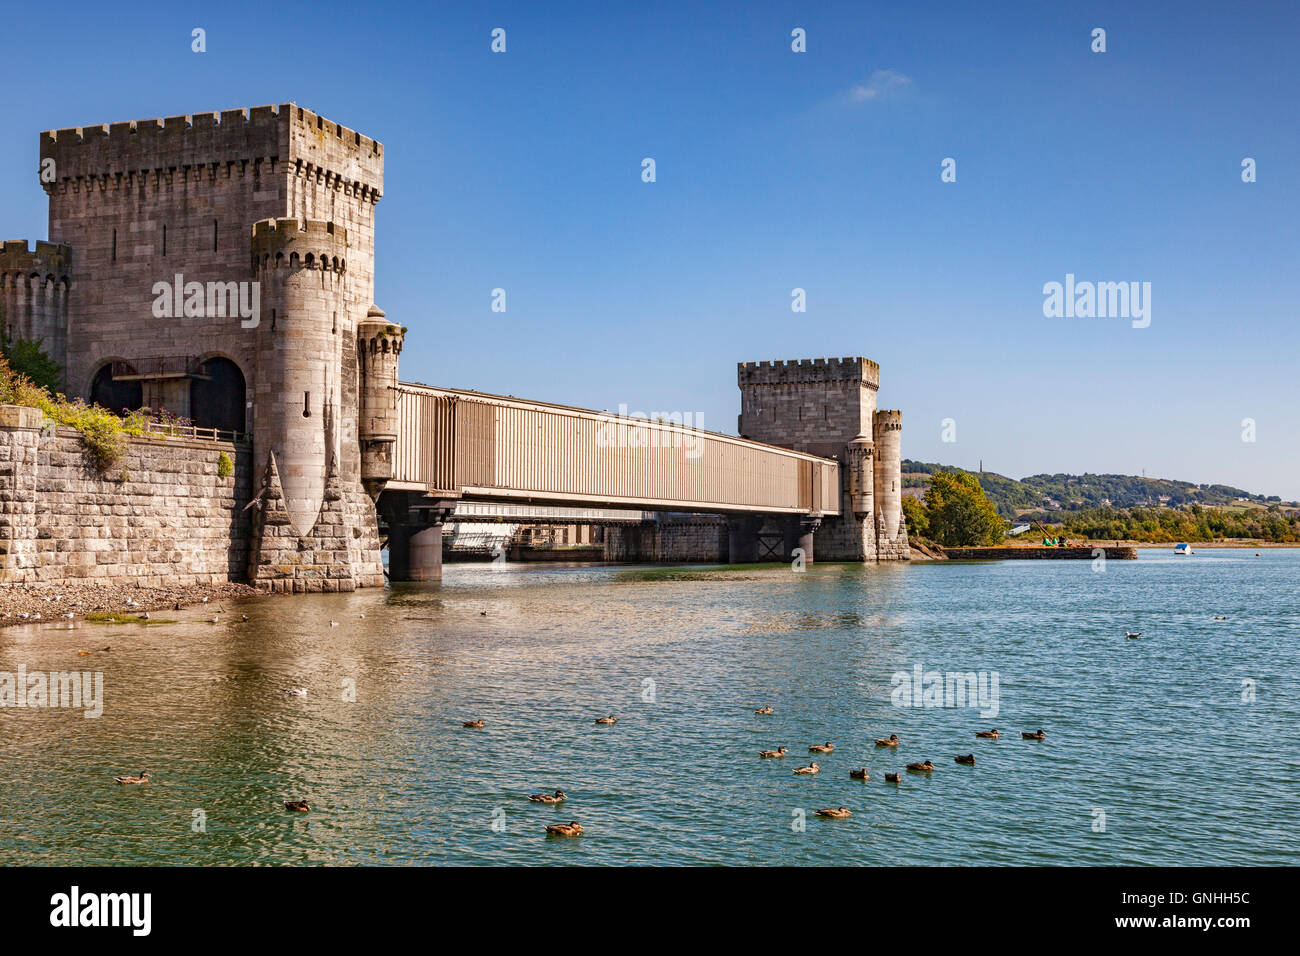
{"x":763,"y":710}
{"x":778,"y":752}
{"x":1132,"y":633}
{"x":859,"y":774}
{"x":990,"y":734}
{"x":811,"y":768}
{"x":821,"y":748}
{"x":924,"y":766}
{"x":472,"y":723}
{"x":143,"y":778}
{"x":297,"y":806}
{"x":968,"y":759}
{"x":893,"y":778}
{"x":1028,"y":736}
{"x":890,"y":741}
{"x":1220,"y":617}
{"x":557,"y":797}
{"x":834,"y":813}
{"x":607,"y":720}
{"x":571,"y":829}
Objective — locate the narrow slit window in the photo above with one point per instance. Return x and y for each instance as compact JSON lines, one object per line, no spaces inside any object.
{"x":164,"y":241}
{"x":114,"y":245}
{"x":306,"y":404}
{"x":214,"y":235}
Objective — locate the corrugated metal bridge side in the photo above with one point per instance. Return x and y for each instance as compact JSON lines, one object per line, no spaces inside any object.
{"x":488,"y":447}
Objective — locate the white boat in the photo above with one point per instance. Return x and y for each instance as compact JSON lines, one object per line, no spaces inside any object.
{"x":1183,"y":549}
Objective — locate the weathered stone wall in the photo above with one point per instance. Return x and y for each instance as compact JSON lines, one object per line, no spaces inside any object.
{"x":143,"y":201}
{"x":163,"y":515}
{"x":340,"y":552}
{"x":698,"y":540}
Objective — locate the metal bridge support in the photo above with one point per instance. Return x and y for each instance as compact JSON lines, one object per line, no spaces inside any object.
{"x":742,"y":539}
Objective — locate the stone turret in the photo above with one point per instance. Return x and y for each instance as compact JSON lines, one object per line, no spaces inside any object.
{"x":891,"y":534}
{"x":861,"y":477}
{"x":379,"y":343}
{"x":303,"y":271}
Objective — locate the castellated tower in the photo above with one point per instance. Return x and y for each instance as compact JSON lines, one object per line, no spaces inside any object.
{"x":221,"y":266}
{"x":828,"y":407}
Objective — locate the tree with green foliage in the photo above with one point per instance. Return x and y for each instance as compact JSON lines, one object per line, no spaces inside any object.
{"x":27,"y":358}
{"x":958,"y":514}
{"x":918,"y":522}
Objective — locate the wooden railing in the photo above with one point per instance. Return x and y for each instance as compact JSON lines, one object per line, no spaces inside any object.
{"x":196,"y":431}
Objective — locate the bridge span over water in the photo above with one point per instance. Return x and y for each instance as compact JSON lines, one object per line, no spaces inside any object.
{"x":455,"y":446}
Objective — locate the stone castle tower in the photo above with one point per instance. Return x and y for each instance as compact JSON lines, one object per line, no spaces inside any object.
{"x":828,"y":407}
{"x":261,"y":224}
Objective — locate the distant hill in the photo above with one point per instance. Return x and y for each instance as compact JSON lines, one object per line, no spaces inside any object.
{"x":1046,"y":496}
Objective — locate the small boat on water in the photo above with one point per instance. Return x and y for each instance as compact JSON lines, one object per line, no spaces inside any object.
{"x":1183,"y":549}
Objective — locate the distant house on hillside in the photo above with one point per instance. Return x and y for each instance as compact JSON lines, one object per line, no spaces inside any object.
{"x":1018,"y":529}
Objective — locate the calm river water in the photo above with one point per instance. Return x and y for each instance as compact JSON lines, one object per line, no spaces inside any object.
{"x":1155,"y":752}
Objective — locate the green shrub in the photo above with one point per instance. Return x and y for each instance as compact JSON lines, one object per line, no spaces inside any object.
{"x":225,"y":467}
{"x":103,"y":434}
{"x":26,"y":357}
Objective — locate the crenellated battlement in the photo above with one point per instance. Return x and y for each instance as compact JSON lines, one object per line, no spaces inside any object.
{"x":295,"y":244}
{"x":305,"y":119}
{"x":49,"y":259}
{"x":261,"y":140}
{"x":193,"y":141}
{"x":376,"y":336}
{"x":888,"y":419}
{"x":810,"y":371}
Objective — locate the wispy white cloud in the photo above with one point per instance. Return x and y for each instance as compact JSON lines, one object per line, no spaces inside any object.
{"x":879,"y":85}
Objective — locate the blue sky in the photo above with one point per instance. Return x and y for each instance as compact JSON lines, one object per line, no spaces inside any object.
{"x":777,"y":170}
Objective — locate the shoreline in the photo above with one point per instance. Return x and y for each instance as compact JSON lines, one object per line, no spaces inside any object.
{"x":1241,"y":545}
{"x":51,"y":603}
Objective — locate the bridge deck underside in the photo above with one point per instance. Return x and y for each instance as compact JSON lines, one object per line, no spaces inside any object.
{"x":491,"y":448}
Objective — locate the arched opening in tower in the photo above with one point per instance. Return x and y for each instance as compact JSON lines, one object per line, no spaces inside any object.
{"x":115,"y":396}
{"x":217,"y":399}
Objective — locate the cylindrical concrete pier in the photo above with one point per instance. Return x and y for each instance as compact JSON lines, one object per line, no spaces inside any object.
{"x":426,"y":554}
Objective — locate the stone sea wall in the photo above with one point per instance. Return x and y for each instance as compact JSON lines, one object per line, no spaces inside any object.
{"x":163,"y":515}
{"x":700,"y":540}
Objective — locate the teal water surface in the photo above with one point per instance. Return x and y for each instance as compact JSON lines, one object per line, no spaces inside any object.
{"x":1159,"y":734}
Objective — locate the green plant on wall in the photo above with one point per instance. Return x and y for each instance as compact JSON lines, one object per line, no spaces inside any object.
{"x":103,"y":434}
{"x":225,"y":467}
